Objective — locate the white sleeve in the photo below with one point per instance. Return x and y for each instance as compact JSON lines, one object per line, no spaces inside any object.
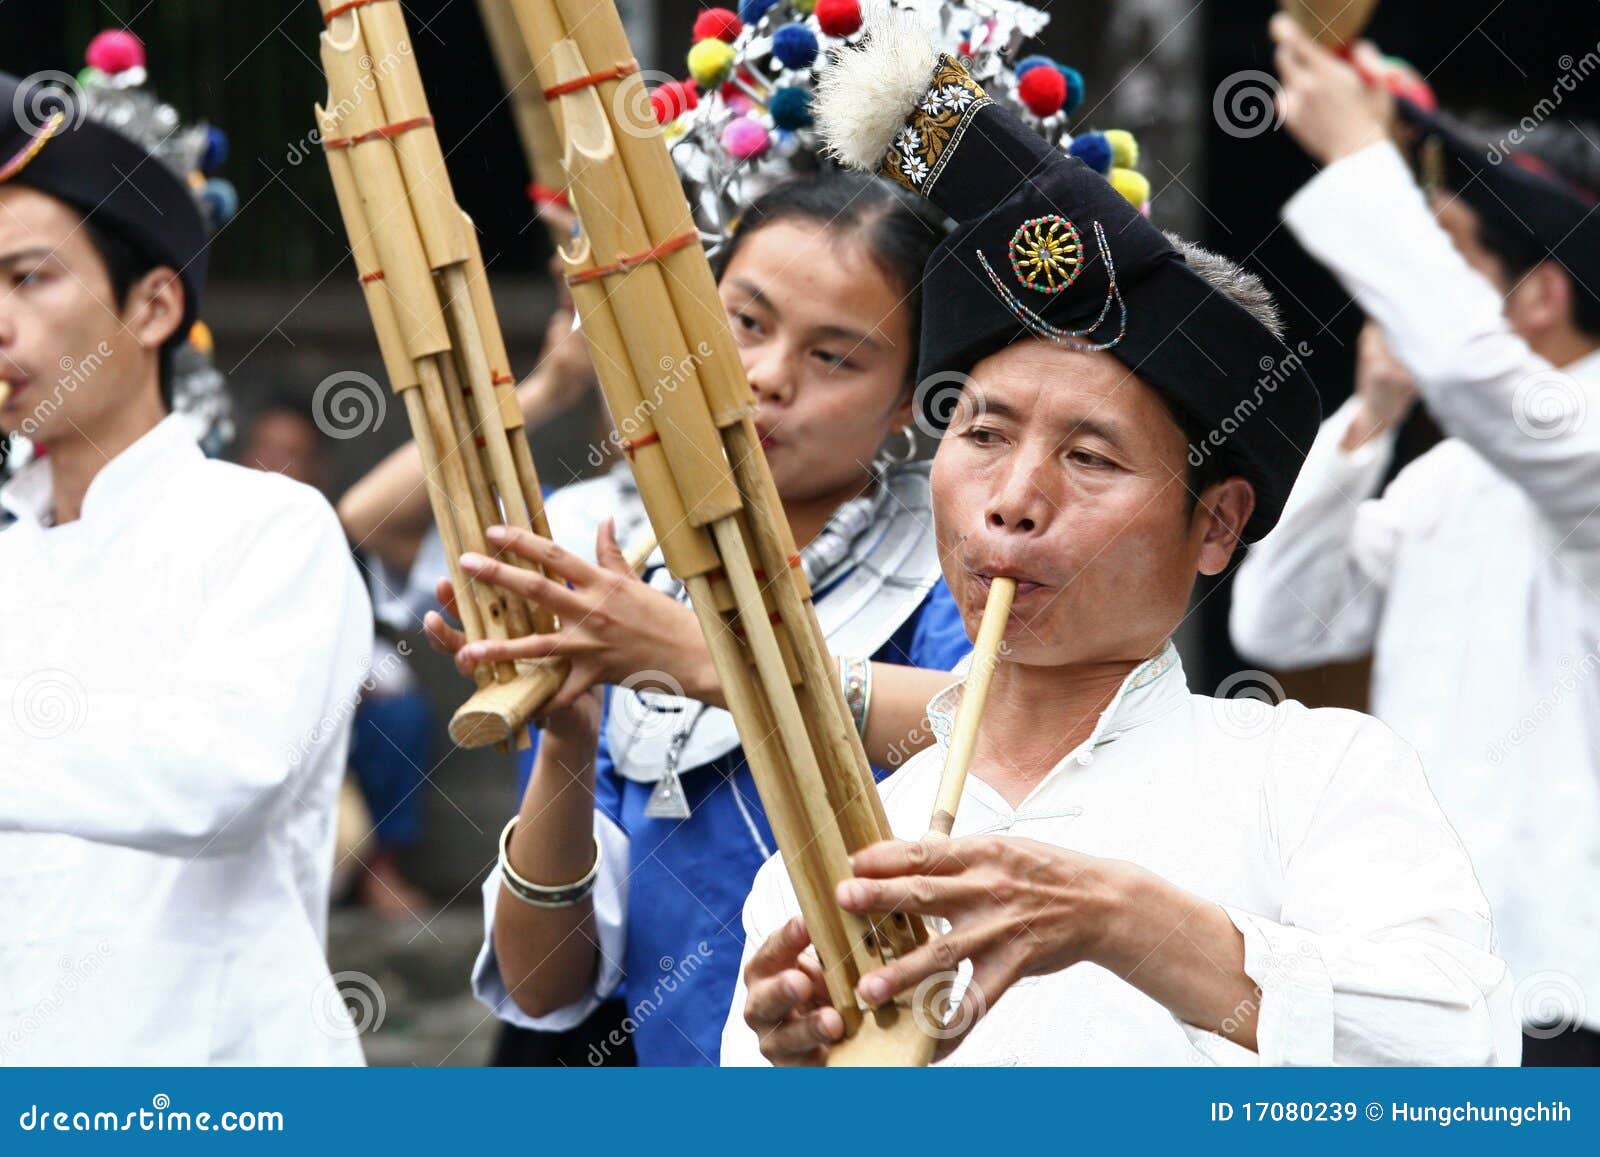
{"x":770,"y":903}
{"x":192,"y":752}
{"x":1382,"y":952}
{"x":1365,"y":219}
{"x":611,"y":927}
{"x":1312,"y":591}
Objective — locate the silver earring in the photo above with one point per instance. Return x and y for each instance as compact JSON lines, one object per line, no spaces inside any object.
{"x":887,"y":459}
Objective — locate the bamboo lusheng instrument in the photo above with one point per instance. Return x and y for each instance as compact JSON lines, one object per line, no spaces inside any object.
{"x":417,"y":257}
{"x":528,"y":109}
{"x":650,"y":311}
{"x":1334,"y":23}
{"x":974,"y":694}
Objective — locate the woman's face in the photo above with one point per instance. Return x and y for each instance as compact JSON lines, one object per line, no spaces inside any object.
{"x":826,"y":342}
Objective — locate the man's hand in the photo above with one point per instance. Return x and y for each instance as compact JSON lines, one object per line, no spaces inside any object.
{"x":1384,"y":386}
{"x":1016,"y":908}
{"x":1324,"y":101}
{"x":786,"y":999}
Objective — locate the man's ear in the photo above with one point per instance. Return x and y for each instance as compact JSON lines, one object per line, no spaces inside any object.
{"x":1219,"y":520}
{"x":155,"y":307}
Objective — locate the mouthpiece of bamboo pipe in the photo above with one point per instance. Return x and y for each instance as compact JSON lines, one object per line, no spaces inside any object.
{"x":974,"y":693}
{"x":5,"y":391}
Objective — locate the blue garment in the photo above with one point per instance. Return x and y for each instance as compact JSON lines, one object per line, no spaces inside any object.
{"x":391,"y":747}
{"x":688,"y":878}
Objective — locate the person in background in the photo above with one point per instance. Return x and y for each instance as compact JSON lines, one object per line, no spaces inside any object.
{"x":1474,"y":577}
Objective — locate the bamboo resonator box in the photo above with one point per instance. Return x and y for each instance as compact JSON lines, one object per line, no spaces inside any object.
{"x":417,"y":257}
{"x":671,"y":375}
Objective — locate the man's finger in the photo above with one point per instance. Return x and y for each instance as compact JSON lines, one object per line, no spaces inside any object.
{"x":442,"y":637}
{"x":800,"y":1036}
{"x":941,"y":955}
{"x":769,"y":1002}
{"x":779,"y":951}
{"x":910,"y":858}
{"x":988,"y":983}
{"x":914,"y":895}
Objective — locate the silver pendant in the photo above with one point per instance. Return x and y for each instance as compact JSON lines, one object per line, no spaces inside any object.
{"x":668,"y":801}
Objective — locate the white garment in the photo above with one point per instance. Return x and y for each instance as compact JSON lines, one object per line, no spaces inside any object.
{"x":1314,"y":830}
{"x":178,"y":673}
{"x":1474,"y":579}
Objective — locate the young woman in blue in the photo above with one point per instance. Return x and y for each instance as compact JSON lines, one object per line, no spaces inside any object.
{"x":821,"y":286}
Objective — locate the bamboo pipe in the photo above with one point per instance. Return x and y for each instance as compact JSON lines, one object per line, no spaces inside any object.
{"x":535,"y":127}
{"x":974,"y":693}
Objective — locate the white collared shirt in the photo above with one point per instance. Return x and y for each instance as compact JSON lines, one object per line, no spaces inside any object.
{"x":178,"y":672}
{"x":1314,"y":830}
{"x":1474,"y":579}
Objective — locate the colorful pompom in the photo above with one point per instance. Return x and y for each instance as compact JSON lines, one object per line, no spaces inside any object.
{"x":89,"y":77}
{"x":738,"y":102}
{"x":672,"y":99}
{"x":1093,"y":150}
{"x":710,"y":61}
{"x":717,"y":24}
{"x":221,"y":200}
{"x":216,"y":150}
{"x":745,"y":139}
{"x":1124,"y":148}
{"x":1134,"y":186}
{"x":751,"y":11}
{"x":790,"y":108}
{"x":804,"y":7}
{"x":839,"y":17}
{"x":1043,"y":90}
{"x":795,"y":46}
{"x":1074,"y":80}
{"x":1028,"y":63}
{"x":115,"y":50}
{"x":200,"y":337}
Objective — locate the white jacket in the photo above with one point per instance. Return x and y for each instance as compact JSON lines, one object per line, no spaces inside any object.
{"x":178,"y":673}
{"x":1474,"y":578}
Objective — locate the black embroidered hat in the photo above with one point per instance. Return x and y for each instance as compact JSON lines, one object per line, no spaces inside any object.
{"x":1516,"y":192}
{"x":50,"y":145}
{"x":1045,"y":248}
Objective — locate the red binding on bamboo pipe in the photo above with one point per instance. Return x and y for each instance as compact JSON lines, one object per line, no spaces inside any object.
{"x":672,"y":245}
{"x":327,"y":17}
{"x":604,"y":74}
{"x":375,"y":275}
{"x":629,"y":445}
{"x":381,"y":133}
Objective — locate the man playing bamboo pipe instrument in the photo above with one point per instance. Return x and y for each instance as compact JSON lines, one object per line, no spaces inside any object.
{"x":1138,"y":875}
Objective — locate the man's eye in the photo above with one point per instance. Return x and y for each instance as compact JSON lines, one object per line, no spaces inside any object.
{"x":1088,"y":458}
{"x":981,"y":435}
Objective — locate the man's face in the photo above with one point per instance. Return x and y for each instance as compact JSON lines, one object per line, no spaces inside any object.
{"x":1067,"y":472}
{"x":284,"y":443}
{"x":63,"y":345}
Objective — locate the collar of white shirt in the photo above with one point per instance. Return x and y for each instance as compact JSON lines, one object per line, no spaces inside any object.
{"x":158,"y":454}
{"x":1151,"y":689}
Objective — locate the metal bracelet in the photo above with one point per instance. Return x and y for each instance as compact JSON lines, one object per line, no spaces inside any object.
{"x":855,"y":678}
{"x":542,"y":895}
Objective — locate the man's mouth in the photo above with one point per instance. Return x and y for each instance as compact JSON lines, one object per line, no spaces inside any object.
{"x":11,"y":389}
{"x":1025,"y":585}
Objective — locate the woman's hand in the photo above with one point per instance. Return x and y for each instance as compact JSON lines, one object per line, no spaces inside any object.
{"x":1329,"y":105}
{"x":614,"y":626}
{"x":786,"y":999}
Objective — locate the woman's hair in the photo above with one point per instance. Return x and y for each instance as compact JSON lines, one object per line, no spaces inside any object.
{"x":899,"y":230}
